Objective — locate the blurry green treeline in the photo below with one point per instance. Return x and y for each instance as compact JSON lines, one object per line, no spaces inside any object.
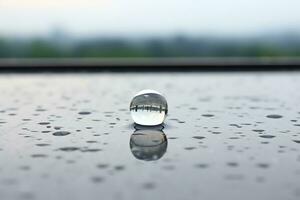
{"x":177,"y":46}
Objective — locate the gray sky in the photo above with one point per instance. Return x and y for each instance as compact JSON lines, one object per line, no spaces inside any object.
{"x":118,"y":17}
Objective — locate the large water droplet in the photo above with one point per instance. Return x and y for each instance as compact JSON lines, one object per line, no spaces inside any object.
{"x":148,"y":108}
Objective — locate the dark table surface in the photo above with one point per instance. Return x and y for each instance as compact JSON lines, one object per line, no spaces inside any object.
{"x":228,"y":136}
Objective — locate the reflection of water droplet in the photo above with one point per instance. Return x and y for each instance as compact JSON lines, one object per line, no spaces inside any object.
{"x":148,"y":108}
{"x":148,"y":144}
{"x":61,"y":133}
{"x":274,"y":116}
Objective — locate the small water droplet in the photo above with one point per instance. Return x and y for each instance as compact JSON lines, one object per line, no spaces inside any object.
{"x":84,"y":113}
{"x":207,"y":115}
{"x":274,"y":116}
{"x":39,"y":155}
{"x":235,"y":125}
{"x":199,"y":137}
{"x":263,"y":165}
{"x":44,"y":123}
{"x":189,"y":148}
{"x":232,"y":164}
{"x":149,"y":186}
{"x":201,"y":165}
{"x":97,"y":179}
{"x":102,"y":166}
{"x":119,"y":167}
{"x":90,"y":150}
{"x":267,"y":136}
{"x":258,"y":130}
{"x":42,"y":144}
{"x":68,"y":149}
{"x":61,"y":133}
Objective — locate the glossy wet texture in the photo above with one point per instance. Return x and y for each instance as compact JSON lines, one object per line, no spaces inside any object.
{"x":227,"y":136}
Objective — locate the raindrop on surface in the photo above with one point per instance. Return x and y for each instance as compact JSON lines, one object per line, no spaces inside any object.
{"x":39,"y":155}
{"x":97,"y":179}
{"x":207,"y":115}
{"x":42,"y":144}
{"x":267,"y":136}
{"x":61,"y":133}
{"x":189,"y":148}
{"x":44,"y":123}
{"x":90,"y":150}
{"x":274,"y":116}
{"x":263,"y":165}
{"x":201,"y":165}
{"x":149,"y":186}
{"x":198,"y":137}
{"x":102,"y":166}
{"x":119,"y":167}
{"x":69,"y":149}
{"x":232,"y":164}
{"x":258,"y":130}
{"x":84,"y":113}
{"x":148,"y":108}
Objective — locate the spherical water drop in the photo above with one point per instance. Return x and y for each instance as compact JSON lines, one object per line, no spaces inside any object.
{"x":148,"y":108}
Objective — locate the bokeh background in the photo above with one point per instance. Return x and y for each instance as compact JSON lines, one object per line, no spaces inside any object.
{"x":149,"y":28}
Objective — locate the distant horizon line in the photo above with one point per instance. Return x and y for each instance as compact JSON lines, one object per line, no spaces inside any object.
{"x":65,"y":34}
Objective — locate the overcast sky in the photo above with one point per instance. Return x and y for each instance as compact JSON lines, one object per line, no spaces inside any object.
{"x":147,"y":17}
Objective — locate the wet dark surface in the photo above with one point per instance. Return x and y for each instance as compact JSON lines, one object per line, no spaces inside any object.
{"x":226,"y":136}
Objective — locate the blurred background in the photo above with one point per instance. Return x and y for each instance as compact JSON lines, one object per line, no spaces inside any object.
{"x":149,"y":28}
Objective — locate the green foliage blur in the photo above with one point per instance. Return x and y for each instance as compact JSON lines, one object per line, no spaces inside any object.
{"x":177,"y":46}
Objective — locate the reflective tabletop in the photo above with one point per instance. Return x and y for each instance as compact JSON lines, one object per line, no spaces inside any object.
{"x":226,"y":136}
